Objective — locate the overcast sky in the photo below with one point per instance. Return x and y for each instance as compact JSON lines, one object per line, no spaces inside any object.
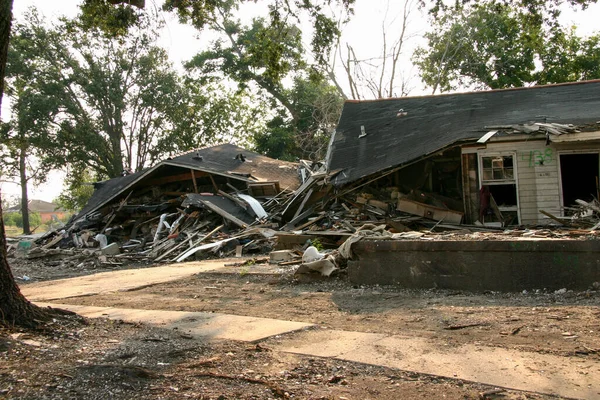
{"x":363,"y":33}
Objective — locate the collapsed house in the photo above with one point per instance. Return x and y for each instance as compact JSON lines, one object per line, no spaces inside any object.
{"x":474,"y":162}
{"x":502,"y":157}
{"x":219,"y":193}
{"x":418,"y":191}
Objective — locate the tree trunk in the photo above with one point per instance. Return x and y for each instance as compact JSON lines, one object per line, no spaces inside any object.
{"x":116,"y":161}
{"x":14,"y":308}
{"x":24,"y":196}
{"x":5,"y":21}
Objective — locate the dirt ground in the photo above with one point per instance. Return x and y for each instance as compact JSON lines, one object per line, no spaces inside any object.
{"x":108,"y":359}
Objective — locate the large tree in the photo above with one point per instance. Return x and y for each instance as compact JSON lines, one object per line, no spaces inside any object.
{"x":118,"y":104}
{"x":265,"y":58}
{"x":495,"y":45}
{"x":112,"y":99}
{"x":24,"y":138}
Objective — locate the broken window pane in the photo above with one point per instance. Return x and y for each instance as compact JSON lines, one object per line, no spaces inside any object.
{"x":497,"y":168}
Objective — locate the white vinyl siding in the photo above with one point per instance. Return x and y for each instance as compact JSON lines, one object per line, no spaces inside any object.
{"x":538,"y":174}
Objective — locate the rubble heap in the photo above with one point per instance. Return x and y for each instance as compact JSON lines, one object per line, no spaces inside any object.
{"x":241,"y":203}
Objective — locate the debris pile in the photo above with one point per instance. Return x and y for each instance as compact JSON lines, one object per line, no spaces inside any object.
{"x":169,"y":228}
{"x":228,"y":202}
{"x":583,"y":215}
{"x":222,"y":200}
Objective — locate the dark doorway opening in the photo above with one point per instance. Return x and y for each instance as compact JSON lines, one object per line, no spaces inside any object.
{"x":579,"y":177}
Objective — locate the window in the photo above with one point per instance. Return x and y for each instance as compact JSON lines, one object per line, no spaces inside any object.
{"x":497,"y":168}
{"x":497,"y":173}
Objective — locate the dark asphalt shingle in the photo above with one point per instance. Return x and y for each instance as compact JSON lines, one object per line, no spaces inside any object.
{"x":432,"y":123}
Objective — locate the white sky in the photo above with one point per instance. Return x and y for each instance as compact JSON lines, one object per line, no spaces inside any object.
{"x":363,"y":33}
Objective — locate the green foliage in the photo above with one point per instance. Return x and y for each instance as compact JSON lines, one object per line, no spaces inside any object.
{"x":317,"y":107}
{"x":16,"y":219}
{"x":317,"y":244}
{"x":113,"y":17}
{"x":210,"y":113}
{"x":207,"y":13}
{"x":495,"y":45}
{"x":277,"y":141}
{"x":23,"y":138}
{"x":10,"y":219}
{"x":78,"y":192}
{"x":566,"y":57}
{"x":539,"y":12}
{"x":91,"y":83}
{"x":113,"y":104}
{"x":305,"y":114}
{"x":258,"y":53}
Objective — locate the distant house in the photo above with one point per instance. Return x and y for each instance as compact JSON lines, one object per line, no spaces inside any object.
{"x":516,"y":151}
{"x":47,"y":211}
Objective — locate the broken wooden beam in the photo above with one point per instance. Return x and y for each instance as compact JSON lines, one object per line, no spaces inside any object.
{"x":225,"y":214}
{"x":547,"y":214}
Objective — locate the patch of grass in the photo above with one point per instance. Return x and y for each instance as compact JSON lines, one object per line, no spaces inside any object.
{"x":13,"y":231}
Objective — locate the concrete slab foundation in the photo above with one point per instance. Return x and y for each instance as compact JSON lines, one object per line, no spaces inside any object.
{"x":496,"y":265}
{"x":196,"y":324}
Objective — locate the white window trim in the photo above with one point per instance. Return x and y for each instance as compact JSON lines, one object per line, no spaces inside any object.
{"x":515,"y":180}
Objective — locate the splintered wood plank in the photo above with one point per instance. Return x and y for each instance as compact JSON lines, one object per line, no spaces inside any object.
{"x":224,"y":214}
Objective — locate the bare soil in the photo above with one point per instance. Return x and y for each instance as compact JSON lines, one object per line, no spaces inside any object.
{"x":108,"y":359}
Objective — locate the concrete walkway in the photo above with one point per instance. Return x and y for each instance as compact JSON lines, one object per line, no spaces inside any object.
{"x":568,"y":377}
{"x":114,"y":281}
{"x":196,"y":324}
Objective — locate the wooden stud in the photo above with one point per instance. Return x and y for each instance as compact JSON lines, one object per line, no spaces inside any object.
{"x":194,"y":181}
{"x":214,"y":183}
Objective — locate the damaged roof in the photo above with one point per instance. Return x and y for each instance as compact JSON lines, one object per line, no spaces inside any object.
{"x":225,"y":159}
{"x":228,"y":159}
{"x":107,"y":190}
{"x":376,"y":135}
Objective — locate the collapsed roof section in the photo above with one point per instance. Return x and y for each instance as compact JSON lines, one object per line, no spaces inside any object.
{"x":374,"y":136}
{"x":227,"y":161}
{"x":234,"y":162}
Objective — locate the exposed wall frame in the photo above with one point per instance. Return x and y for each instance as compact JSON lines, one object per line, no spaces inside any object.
{"x":514,"y":180}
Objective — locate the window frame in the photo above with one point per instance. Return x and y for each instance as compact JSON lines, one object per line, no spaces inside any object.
{"x":512,"y":181}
